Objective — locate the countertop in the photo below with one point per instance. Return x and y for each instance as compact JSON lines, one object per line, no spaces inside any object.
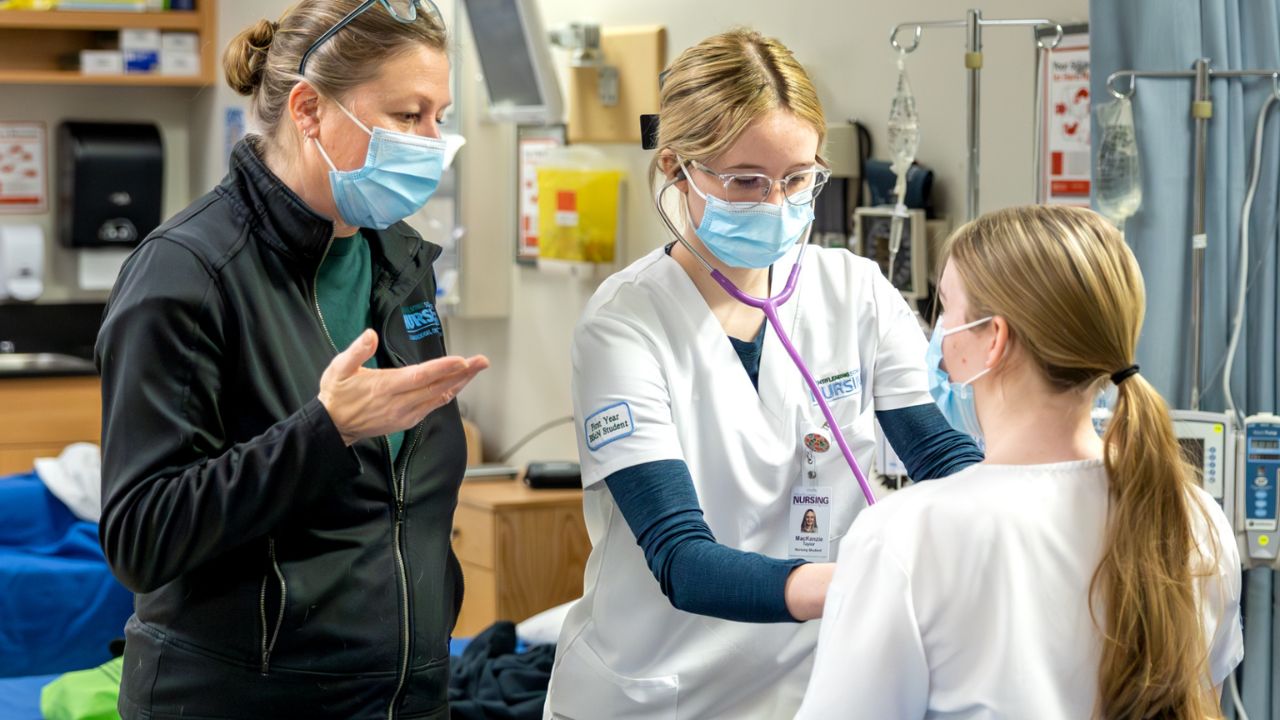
{"x":28,"y":365}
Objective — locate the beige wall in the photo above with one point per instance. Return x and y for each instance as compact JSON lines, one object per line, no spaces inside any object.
{"x":842,"y":42}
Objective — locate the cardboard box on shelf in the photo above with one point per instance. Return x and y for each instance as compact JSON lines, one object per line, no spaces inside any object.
{"x":141,"y":62}
{"x":179,"y":62}
{"x":101,"y":62}
{"x":180,"y":42}
{"x":139,"y":39}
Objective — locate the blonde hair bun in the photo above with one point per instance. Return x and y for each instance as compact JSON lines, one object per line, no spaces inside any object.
{"x":246,"y":56}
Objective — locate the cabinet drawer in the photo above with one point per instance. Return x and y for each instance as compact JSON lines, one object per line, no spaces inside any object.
{"x":50,"y":411}
{"x":473,"y":536}
{"x":479,"y":602}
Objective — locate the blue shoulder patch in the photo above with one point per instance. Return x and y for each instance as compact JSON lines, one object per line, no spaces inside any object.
{"x":421,"y":320}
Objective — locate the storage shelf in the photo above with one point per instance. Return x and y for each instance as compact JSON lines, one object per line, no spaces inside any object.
{"x":90,"y":20}
{"x":68,"y":77}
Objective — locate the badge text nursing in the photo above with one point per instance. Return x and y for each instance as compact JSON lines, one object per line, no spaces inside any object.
{"x":810,"y":500}
{"x":839,"y":387}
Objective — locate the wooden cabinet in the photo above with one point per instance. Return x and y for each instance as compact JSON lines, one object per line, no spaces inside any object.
{"x":522,"y":551}
{"x":33,"y":44}
{"x":41,"y":416}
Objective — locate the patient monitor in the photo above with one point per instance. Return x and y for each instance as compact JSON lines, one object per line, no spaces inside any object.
{"x":1208,"y":443}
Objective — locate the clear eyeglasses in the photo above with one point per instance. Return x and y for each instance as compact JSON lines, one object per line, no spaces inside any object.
{"x":799,"y":188}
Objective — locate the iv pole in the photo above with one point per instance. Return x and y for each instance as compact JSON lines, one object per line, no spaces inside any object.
{"x":973,"y":24}
{"x":1201,"y":112}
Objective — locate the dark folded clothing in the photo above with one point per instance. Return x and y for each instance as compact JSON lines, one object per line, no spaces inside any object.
{"x":492,"y":682}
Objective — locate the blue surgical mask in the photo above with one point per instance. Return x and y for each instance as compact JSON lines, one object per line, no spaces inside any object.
{"x":400,"y":172}
{"x":750,"y":235}
{"x":954,"y":399}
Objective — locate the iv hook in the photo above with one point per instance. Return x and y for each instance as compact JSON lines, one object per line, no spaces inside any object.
{"x":915,"y":41}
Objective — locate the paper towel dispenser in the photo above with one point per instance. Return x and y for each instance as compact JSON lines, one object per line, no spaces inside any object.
{"x":110,"y":182}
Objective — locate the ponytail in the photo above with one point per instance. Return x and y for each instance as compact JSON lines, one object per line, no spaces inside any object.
{"x":1153,"y":654}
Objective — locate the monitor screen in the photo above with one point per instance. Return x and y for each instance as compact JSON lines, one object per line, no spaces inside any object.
{"x":505,"y":55}
{"x":1193,"y":453}
{"x":1266,"y":444}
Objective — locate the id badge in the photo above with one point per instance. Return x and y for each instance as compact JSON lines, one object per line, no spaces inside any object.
{"x":810,"y":520}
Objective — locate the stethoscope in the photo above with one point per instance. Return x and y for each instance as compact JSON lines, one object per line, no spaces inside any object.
{"x":769,"y":306}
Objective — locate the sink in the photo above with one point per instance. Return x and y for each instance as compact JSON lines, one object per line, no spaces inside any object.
{"x":44,"y":364}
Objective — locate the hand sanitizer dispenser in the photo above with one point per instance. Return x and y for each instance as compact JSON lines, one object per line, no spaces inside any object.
{"x":21,"y":262}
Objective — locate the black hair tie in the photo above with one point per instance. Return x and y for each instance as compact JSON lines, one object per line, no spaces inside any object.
{"x":1125,"y":374}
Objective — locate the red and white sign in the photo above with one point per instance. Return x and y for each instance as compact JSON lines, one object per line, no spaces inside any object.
{"x":1066,"y":103}
{"x":532,"y":151}
{"x":23,"y":168}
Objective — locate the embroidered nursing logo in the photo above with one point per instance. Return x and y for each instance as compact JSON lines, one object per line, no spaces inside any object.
{"x":605,"y":426}
{"x":838,"y":387}
{"x":421,"y":320}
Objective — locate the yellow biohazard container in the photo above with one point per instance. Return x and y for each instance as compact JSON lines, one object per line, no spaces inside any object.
{"x":579,"y":206}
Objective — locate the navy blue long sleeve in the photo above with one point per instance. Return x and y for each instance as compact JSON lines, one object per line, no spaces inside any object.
{"x":926,"y":443}
{"x":696,"y":573}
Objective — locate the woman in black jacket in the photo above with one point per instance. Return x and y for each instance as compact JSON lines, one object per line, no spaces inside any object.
{"x":281,"y":449}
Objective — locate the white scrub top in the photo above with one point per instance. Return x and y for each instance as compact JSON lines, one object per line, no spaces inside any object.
{"x":968,"y":598}
{"x":656,"y":378}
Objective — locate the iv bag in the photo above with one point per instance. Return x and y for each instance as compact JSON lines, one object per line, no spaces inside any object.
{"x":1119,"y":177}
{"x":904,"y":139}
{"x":904,"y":129}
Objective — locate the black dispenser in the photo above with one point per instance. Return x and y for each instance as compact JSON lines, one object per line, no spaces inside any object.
{"x":110,"y":183}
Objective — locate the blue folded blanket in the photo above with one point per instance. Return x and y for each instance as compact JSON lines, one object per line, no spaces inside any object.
{"x":60,"y":606}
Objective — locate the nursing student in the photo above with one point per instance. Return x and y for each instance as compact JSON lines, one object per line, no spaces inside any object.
{"x":1067,"y":576}
{"x":702,"y":446}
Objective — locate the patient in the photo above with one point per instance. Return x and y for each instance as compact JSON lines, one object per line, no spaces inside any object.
{"x":1067,"y":576}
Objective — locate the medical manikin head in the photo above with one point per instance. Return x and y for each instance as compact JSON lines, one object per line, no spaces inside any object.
{"x":739,"y":104}
{"x":376,"y":73}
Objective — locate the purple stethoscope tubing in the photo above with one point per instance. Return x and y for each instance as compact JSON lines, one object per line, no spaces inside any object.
{"x":770,"y":307}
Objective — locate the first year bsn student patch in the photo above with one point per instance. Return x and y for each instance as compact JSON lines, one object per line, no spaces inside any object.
{"x":605,"y":426}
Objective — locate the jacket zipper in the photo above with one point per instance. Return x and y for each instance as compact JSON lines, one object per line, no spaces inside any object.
{"x":269,"y":645}
{"x":315,"y":298}
{"x":400,"y":564}
{"x":398,"y":488}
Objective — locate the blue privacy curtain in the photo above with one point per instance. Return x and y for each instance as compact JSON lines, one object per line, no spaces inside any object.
{"x":1233,"y":34}
{"x":1170,"y":35}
